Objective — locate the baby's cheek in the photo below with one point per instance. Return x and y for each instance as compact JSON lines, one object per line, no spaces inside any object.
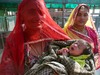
{"x":74,"y":53}
{"x":79,"y":52}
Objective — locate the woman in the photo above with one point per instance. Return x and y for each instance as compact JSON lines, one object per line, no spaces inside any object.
{"x":80,"y":26}
{"x":34,"y":29}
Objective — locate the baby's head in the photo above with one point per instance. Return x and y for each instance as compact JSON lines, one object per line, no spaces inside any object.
{"x":80,"y":47}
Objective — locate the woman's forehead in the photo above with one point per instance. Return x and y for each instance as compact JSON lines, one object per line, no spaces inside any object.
{"x":33,"y":5}
{"x":84,"y":8}
{"x":28,"y":6}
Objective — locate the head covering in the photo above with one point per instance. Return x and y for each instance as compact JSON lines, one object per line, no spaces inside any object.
{"x":73,"y":15}
{"x":12,"y":62}
{"x":43,"y":25}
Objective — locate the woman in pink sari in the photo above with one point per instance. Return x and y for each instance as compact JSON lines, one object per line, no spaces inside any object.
{"x":80,"y":26}
{"x":33,"y":31}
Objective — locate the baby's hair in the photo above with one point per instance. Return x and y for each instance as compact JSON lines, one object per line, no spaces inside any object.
{"x":88,"y":48}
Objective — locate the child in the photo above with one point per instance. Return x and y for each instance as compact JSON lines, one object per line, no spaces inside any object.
{"x":78,"y":50}
{"x":78,"y":47}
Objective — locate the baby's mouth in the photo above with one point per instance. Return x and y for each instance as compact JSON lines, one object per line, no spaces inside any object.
{"x":72,"y":48}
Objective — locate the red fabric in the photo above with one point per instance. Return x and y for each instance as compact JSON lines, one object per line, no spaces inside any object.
{"x":12,"y":62}
{"x":42,"y":25}
{"x":93,"y":35}
{"x":98,"y":59}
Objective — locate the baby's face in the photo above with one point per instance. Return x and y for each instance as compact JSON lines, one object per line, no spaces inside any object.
{"x":77,"y":48}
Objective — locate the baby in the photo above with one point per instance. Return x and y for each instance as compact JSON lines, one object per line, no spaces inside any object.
{"x":76,"y":48}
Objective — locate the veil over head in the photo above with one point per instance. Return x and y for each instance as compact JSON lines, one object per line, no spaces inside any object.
{"x":73,"y":15}
{"x":12,"y":62}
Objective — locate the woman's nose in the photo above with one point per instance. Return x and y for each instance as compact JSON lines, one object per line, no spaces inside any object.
{"x":82,"y":17}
